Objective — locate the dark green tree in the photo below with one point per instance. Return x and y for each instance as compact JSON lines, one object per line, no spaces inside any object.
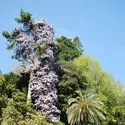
{"x":68,"y":49}
{"x":10,"y":83}
{"x":70,"y":79}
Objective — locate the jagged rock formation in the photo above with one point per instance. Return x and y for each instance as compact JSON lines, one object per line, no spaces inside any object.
{"x":35,"y":47}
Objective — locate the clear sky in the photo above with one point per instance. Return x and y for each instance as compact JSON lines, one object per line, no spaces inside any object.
{"x":100,"y":25}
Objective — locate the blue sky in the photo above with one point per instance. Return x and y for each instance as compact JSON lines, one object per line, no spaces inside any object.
{"x":100,"y":25}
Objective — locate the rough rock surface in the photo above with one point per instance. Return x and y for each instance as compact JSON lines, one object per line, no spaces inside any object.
{"x":36,"y":49}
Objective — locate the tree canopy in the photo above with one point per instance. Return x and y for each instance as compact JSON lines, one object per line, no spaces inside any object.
{"x":65,"y":86}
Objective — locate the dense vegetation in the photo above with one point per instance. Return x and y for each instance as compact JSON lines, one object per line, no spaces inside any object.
{"x":86,"y":94}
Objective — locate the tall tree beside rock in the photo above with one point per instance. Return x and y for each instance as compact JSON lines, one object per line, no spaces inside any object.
{"x":33,"y":44}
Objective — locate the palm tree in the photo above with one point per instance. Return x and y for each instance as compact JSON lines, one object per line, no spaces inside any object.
{"x":85,"y":109}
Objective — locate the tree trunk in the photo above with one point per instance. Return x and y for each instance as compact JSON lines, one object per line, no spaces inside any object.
{"x":29,"y":94}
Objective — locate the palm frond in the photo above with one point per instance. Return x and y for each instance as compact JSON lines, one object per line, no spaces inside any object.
{"x":84,"y":109}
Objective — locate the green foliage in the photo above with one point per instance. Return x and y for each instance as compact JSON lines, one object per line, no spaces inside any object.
{"x":60,"y":123}
{"x":22,"y":83}
{"x":114,"y":100}
{"x":2,"y":83}
{"x":3,"y":97}
{"x":78,"y":73}
{"x":11,"y":38}
{"x":68,"y":49}
{"x":7,"y":86}
{"x":91,"y":69}
{"x":18,"y":112}
{"x":83,"y":73}
{"x":10,"y":83}
{"x":85,"y":109}
{"x":109,"y":90}
{"x":6,"y":34}
{"x":24,"y":17}
{"x":71,"y":80}
{"x":3,"y":104}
